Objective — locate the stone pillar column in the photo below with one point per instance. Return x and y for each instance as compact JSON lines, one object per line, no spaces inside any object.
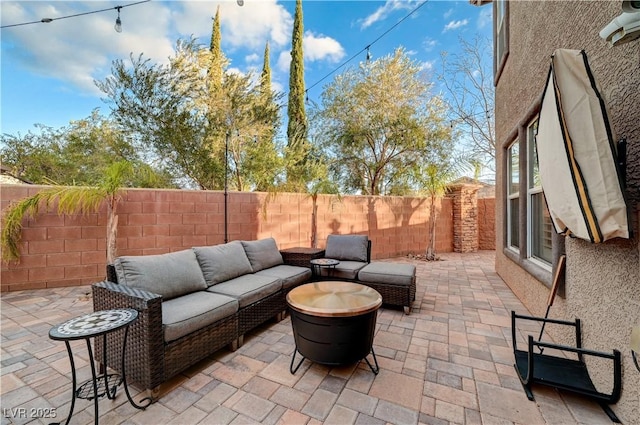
{"x":465,"y":217}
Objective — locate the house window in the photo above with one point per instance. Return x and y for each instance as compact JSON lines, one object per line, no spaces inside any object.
{"x":513,"y":192}
{"x":500,"y":36}
{"x":539,"y":227}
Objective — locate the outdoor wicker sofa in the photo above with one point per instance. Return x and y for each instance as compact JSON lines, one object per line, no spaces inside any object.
{"x":191,"y":303}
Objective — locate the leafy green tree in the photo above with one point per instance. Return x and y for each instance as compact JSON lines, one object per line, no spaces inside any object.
{"x":74,"y":155}
{"x":33,"y":156}
{"x":164,"y":108}
{"x":296,"y":164}
{"x":377,"y":122}
{"x":181,"y":118}
{"x":218,"y":60}
{"x":296,"y":127}
{"x":264,"y":164}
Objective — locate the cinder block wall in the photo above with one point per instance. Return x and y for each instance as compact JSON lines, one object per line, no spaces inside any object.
{"x":70,"y":250}
{"x":486,"y":223}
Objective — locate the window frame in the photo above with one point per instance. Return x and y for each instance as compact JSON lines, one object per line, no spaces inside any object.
{"x":512,"y":195}
{"x":500,"y":33}
{"x":532,"y":190}
{"x":534,"y":268}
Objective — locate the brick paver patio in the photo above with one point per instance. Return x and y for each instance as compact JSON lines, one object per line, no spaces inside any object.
{"x":449,"y":362}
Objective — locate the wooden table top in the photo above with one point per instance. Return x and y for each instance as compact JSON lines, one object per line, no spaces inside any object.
{"x":334,"y":299}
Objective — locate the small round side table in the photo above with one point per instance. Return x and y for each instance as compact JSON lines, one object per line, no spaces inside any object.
{"x":97,"y":324}
{"x":324,"y":263}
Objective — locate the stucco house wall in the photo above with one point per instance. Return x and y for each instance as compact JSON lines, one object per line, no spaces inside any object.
{"x":602,"y":282}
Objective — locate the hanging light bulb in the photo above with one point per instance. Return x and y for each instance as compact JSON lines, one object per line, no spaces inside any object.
{"x":240,"y":2}
{"x":368,"y":54}
{"x":118,"y":25}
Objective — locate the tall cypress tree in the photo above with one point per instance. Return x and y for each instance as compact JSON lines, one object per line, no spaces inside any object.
{"x":216,"y":64}
{"x":297,"y":126}
{"x":265,"y":77}
{"x":269,"y":104}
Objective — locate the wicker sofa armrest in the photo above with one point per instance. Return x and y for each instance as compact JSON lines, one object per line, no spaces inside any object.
{"x":145,"y":344}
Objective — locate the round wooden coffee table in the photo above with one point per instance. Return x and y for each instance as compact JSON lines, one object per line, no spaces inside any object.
{"x":334,"y":322}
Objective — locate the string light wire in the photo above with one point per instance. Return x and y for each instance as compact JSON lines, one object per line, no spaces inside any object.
{"x":48,"y":20}
{"x":366,"y":48}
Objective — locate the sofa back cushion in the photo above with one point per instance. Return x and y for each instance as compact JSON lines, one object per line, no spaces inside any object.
{"x":170,"y":275}
{"x":347,"y":247}
{"x":262,"y":253}
{"x":220,"y":263}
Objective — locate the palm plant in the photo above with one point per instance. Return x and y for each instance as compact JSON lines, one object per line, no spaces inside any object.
{"x":69,"y":200}
{"x":434,"y":178}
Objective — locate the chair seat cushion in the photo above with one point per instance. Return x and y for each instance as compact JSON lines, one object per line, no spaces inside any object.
{"x":290,"y":275}
{"x":345,"y":270}
{"x":170,"y":275}
{"x":248,"y":289}
{"x":188,"y":313}
{"x":389,"y":273}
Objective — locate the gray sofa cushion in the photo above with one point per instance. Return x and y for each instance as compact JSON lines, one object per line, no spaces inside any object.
{"x":347,"y":247}
{"x":220,"y":263}
{"x":345,"y":270}
{"x":389,"y":273}
{"x":262,"y":253}
{"x":189,"y":313}
{"x":248,"y":289}
{"x":290,"y":275}
{"x":170,"y":275}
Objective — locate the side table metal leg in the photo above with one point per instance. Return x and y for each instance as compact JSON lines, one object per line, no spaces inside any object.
{"x":73,"y":385}
{"x":148,"y":400}
{"x":111,"y":395}
{"x":95,"y":380}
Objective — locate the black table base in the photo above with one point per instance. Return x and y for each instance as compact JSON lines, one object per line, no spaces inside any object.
{"x":334,"y":340}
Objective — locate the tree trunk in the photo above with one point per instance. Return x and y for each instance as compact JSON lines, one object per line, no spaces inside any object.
{"x":112,"y":229}
{"x":431,"y":247}
{"x":314,"y":221}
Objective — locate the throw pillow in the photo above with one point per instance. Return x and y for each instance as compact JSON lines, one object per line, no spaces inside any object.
{"x":170,"y":275}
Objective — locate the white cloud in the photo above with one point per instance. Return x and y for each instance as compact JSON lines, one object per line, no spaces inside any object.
{"x":252,"y":58}
{"x":453,"y":25}
{"x":429,"y":44}
{"x":245,"y":26}
{"x":448,"y":14}
{"x":316,"y":48}
{"x":427,"y":65}
{"x":385,"y":10}
{"x":80,"y":49}
{"x":485,"y":18}
{"x":284,"y":59}
{"x":321,"y":47}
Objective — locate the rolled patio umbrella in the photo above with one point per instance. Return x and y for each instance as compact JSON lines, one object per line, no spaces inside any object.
{"x":577,"y":155}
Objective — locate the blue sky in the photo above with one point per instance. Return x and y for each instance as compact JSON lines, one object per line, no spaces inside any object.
{"x":48,"y":69}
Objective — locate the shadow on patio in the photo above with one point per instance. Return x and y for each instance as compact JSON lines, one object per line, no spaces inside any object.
{"x":450,"y":361}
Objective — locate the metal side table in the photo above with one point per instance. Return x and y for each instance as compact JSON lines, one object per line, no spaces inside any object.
{"x":318,"y":264}
{"x":97,"y":324}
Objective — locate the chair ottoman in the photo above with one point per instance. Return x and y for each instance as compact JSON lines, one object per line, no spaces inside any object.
{"x":394,"y":281}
